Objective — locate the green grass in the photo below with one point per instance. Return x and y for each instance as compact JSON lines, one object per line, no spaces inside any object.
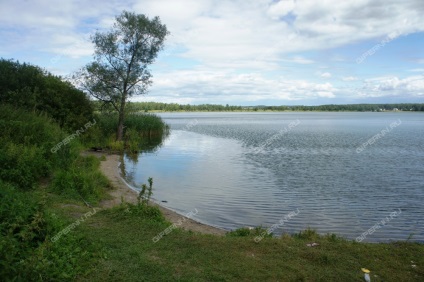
{"x":81,"y":180}
{"x":29,"y":172}
{"x":129,"y":254}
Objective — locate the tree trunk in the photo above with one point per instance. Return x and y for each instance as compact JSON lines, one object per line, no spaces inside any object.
{"x":120,"y":133}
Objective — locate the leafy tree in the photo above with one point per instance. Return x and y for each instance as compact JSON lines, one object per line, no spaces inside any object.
{"x":121,"y":60}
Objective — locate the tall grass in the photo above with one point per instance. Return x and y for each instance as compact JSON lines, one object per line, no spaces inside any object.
{"x":81,"y":180}
{"x":26,"y":224}
{"x":25,"y":147}
{"x":140,"y":130}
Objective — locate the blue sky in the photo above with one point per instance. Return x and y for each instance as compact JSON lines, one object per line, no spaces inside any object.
{"x":242,"y":52}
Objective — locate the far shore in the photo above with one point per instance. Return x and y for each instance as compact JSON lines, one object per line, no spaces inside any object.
{"x":121,"y":191}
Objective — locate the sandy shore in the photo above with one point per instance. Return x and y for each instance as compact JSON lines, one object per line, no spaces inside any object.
{"x":110,"y":169}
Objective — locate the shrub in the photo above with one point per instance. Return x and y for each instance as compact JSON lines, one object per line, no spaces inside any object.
{"x":138,"y":211}
{"x":81,"y":180}
{"x":26,"y":251}
{"x":22,"y":227}
{"x":25,"y":147}
{"x":31,"y":88}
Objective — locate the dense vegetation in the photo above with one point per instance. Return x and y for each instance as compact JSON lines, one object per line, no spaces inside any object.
{"x":29,"y":174}
{"x":173,"y":107}
{"x":140,"y":132}
{"x":45,"y":123}
{"x":31,"y":88}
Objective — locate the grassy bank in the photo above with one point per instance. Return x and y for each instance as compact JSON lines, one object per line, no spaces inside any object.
{"x":126,"y":252}
{"x":33,"y":179}
{"x":41,"y":176}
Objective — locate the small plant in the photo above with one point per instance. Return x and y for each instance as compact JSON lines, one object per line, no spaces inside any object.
{"x":116,"y":146}
{"x":308,"y":234}
{"x":249,"y":231}
{"x":150,"y":189}
{"x":145,"y":192}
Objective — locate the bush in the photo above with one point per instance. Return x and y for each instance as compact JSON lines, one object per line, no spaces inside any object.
{"x":139,"y":211}
{"x":22,"y":227}
{"x":26,"y":250}
{"x":31,"y":88}
{"x":81,"y":180}
{"x":22,"y":165}
{"x":25,"y":147}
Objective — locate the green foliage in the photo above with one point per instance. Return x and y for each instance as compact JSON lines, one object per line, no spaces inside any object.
{"x":173,"y":107}
{"x":22,"y":165}
{"x":131,"y":255}
{"x":331,"y":237}
{"x":26,"y":224}
{"x":140,"y":132}
{"x":25,"y":147}
{"x":249,"y":232}
{"x":145,"y":193}
{"x":31,"y":88}
{"x":307,"y":234}
{"x":65,"y":260}
{"x":81,"y":180}
{"x":21,"y":228}
{"x":122,"y":56}
{"x":139,"y":211}
{"x":26,"y":251}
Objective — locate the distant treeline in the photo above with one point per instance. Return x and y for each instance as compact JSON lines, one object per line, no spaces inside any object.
{"x":173,"y":107}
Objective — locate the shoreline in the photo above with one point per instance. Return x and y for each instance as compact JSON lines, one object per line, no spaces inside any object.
{"x":122,"y":190}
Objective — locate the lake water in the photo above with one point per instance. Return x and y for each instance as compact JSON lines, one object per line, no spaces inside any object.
{"x":254,"y":169}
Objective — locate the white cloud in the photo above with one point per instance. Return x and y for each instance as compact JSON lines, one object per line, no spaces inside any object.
{"x":236,"y":33}
{"x":281,"y":8}
{"x":220,"y":47}
{"x":299,"y":60}
{"x":349,"y":78}
{"x":394,"y":86}
{"x":325,"y":75}
{"x":213,"y":86}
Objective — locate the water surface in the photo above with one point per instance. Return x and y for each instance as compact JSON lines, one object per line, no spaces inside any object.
{"x":252,"y":169}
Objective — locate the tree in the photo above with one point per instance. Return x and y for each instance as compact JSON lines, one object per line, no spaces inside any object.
{"x":121,"y":59}
{"x":34,"y":89}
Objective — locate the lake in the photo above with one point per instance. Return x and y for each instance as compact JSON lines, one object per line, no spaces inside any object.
{"x":358,"y":175}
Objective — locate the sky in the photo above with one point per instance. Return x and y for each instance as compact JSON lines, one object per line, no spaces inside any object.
{"x":241,"y":52}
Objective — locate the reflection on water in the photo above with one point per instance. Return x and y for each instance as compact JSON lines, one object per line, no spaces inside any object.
{"x":247,"y":170}
{"x":150,"y":144}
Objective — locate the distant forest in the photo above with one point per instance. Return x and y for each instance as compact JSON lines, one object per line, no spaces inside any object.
{"x":173,"y":107}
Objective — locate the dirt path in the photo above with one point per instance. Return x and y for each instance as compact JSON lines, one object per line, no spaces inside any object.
{"x":110,"y":169}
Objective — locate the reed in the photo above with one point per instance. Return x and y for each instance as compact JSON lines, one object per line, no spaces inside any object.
{"x":140,"y":131}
